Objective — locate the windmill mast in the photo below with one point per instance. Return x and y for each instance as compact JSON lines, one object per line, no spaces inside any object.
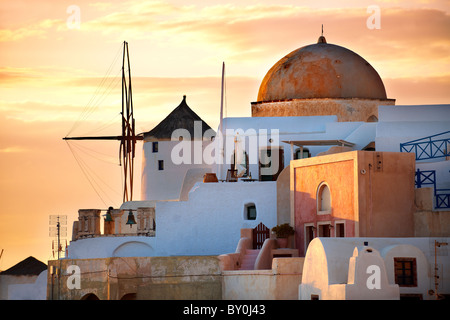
{"x":128,"y":137}
{"x":221,"y":135}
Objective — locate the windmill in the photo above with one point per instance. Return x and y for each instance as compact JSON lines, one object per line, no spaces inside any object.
{"x":128,"y":136}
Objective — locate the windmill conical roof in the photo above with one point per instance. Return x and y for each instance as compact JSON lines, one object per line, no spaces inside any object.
{"x":182,"y":117}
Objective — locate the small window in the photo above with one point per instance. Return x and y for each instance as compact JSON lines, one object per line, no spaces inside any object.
{"x":154,"y":147}
{"x":309,"y":235}
{"x":250,"y":212}
{"x":160,"y":164}
{"x":405,"y":272}
{"x":298,"y":154}
{"x":324,"y":230}
{"x":323,"y":199}
{"x":314,"y":297}
{"x":340,"y":230}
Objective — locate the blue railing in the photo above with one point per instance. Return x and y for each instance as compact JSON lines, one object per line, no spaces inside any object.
{"x":442,"y":198}
{"x":432,"y":147}
{"x":425,"y":178}
{"x":428,"y":178}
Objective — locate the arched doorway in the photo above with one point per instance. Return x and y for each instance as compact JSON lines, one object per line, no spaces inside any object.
{"x":129,"y":296}
{"x":90,"y":296}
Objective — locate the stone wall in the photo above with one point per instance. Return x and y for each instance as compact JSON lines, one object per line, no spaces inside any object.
{"x":345,"y":109}
{"x":141,"y":278}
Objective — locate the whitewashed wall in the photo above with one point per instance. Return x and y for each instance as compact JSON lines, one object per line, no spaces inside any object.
{"x":399,"y":124}
{"x":208,"y":223}
{"x":29,"y":291}
{"x":165,"y":184}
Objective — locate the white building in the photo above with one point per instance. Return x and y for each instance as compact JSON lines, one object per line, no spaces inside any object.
{"x":163,"y":167}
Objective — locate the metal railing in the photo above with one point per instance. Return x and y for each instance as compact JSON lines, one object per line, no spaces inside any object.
{"x":431,"y":147}
{"x":442,"y":198}
{"x":428,"y":178}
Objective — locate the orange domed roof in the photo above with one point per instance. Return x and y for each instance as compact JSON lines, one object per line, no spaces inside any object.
{"x":321,"y":70}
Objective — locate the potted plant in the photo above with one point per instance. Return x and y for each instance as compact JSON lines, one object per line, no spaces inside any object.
{"x":283,"y":231}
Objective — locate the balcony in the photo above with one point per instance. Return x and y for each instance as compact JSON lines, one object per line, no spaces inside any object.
{"x":432,"y":147}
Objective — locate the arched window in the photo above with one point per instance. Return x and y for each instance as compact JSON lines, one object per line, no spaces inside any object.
{"x":250,"y":211}
{"x":323,"y":199}
{"x":372,"y":118}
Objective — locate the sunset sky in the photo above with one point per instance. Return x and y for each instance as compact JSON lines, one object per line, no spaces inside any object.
{"x":50,"y":76}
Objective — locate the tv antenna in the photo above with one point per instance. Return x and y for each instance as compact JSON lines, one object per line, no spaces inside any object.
{"x":57,"y":229}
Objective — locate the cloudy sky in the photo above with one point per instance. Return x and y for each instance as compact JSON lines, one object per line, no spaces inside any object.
{"x":60,"y":78}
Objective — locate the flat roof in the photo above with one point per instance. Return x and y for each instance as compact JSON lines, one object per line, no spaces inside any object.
{"x":300,"y":143}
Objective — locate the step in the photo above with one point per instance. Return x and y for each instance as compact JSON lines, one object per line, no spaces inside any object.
{"x":252,"y":252}
{"x":248,"y":261}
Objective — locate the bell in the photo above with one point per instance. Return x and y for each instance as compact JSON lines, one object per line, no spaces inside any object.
{"x":131,"y":220}
{"x":108,"y":217}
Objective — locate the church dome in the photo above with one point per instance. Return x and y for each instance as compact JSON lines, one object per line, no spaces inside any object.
{"x":321,"y":70}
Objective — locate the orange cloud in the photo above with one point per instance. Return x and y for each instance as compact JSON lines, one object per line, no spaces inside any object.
{"x":13,"y":149}
{"x":35,"y":30}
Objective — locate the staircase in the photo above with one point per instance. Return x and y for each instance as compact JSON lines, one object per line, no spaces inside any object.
{"x":248,"y":261}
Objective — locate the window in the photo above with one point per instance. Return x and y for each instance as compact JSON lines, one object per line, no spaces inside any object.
{"x":324,"y":230}
{"x":323,"y":199}
{"x":251,"y":212}
{"x":154,"y":147}
{"x":309,"y":235}
{"x":160,"y":164}
{"x":405,"y":272}
{"x":339,"y":230}
{"x":298,"y":154}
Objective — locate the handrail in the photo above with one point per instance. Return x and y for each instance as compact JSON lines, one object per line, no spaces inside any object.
{"x":429,"y":137}
{"x":426,"y":148}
